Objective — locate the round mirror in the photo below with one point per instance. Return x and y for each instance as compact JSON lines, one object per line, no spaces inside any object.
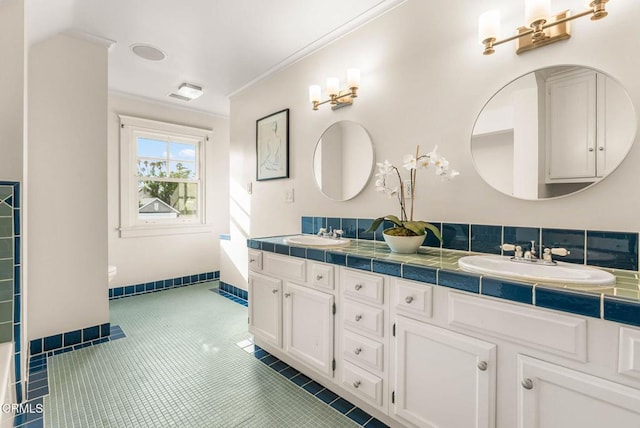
{"x":553,"y":132}
{"x":343,"y":160}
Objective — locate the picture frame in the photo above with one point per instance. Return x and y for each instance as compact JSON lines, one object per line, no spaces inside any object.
{"x":272,"y":146}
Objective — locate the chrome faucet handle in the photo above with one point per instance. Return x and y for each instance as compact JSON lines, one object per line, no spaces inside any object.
{"x":533,"y":248}
{"x":337,"y":233}
{"x":518,"y":251}
{"x":322,"y":231}
{"x":560,"y":252}
{"x":507,"y":247}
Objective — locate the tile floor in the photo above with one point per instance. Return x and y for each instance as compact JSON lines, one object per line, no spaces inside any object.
{"x":182,"y":365}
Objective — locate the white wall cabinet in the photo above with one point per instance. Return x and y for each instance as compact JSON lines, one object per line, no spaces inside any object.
{"x":309,"y":327}
{"x":552,"y":396}
{"x":442,"y":378}
{"x":265,"y":308}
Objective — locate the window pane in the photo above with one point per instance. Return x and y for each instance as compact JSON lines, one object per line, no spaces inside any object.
{"x":183,"y":151}
{"x":152,"y":168}
{"x":157,"y":200}
{"x":181,"y":169}
{"x":149,"y":148}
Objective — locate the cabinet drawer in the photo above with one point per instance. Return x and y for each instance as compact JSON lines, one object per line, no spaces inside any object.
{"x":363,"y":287}
{"x":284,"y":266}
{"x":255,"y":260}
{"x":412,"y":299}
{"x":363,"y":318}
{"x":361,"y":351}
{"x":321,"y":275}
{"x":629,"y":352}
{"x":362,"y":383}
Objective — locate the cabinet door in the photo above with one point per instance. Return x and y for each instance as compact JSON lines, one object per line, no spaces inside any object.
{"x":443,"y":379}
{"x":571,"y":127}
{"x":265,"y":308}
{"x":308,"y":318}
{"x":552,"y":396}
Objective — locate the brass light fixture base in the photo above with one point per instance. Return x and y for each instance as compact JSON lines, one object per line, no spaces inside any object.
{"x":553,"y":33}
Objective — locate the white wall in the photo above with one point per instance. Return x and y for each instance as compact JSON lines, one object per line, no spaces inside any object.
{"x":143,"y":259}
{"x":68,"y":186}
{"x":424,"y":80}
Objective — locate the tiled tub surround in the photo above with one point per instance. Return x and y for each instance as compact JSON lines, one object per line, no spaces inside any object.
{"x":162,"y":284}
{"x":10,"y":275}
{"x":439,"y":266}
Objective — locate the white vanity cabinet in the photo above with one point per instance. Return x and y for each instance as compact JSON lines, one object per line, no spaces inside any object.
{"x":291,"y":314}
{"x":443,"y":378}
{"x":364,"y":336}
{"x":553,"y":396}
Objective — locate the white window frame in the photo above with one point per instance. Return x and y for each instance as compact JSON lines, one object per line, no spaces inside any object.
{"x":130,"y":223}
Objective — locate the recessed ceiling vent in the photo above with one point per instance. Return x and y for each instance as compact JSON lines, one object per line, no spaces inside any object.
{"x":148,"y":52}
{"x":180,"y":97}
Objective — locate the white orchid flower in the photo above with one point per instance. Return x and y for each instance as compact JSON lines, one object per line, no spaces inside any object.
{"x":409,"y":162}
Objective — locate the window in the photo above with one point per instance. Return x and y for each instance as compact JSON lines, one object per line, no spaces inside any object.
{"x":162,"y":177}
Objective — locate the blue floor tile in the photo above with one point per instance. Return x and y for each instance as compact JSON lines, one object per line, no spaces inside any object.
{"x":313,"y":387}
{"x":359,"y":416}
{"x":301,"y":379}
{"x":342,"y":405}
{"x":279,"y":366}
{"x":289,"y":372}
{"x":327,"y":396}
{"x":269,"y":359}
{"x":260,"y":353}
{"x":374,"y":423}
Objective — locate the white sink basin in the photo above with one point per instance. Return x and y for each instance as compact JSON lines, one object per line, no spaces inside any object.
{"x":315,"y":241}
{"x":565,"y":273}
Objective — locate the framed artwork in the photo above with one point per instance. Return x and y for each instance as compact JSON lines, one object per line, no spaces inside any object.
{"x":272,"y":146}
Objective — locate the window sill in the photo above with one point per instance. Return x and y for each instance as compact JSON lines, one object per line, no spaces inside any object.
{"x":163,"y":230}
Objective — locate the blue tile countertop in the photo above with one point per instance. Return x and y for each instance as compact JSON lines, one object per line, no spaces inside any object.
{"x":620,"y":303}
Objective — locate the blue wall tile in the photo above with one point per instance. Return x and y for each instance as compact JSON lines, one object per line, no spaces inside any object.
{"x":298,"y":252}
{"x":617,"y":250}
{"x":419,"y":273}
{"x":334,"y":223}
{"x":282,"y":249}
{"x":509,"y":290}
{"x":35,"y":346}
{"x":306,"y":225}
{"x":460,"y":281}
{"x":319,"y":222}
{"x":568,"y":301}
{"x":53,"y":342}
{"x":105,"y":329}
{"x":129,"y":289}
{"x":72,"y":337}
{"x":268,"y":246}
{"x":140,"y":288}
{"x":387,"y":267}
{"x":350,"y":228}
{"x":572,"y":240}
{"x":363,"y":225}
{"x":90,"y":333}
{"x":486,"y":239}
{"x":521,"y":236}
{"x":455,"y":236}
{"x":620,"y":310}
{"x":431,"y":240}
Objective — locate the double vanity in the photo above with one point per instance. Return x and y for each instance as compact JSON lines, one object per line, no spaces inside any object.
{"x":415,"y":341}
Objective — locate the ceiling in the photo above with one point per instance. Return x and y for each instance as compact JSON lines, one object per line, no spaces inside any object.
{"x":220,"y":45}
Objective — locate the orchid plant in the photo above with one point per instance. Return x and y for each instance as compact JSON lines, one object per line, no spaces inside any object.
{"x":405,"y":224}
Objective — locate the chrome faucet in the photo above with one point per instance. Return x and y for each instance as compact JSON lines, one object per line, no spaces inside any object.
{"x":332,"y":233}
{"x":529,"y":256}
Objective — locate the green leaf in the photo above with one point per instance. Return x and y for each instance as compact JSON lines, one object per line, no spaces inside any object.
{"x":376,"y":223}
{"x":420,"y":227}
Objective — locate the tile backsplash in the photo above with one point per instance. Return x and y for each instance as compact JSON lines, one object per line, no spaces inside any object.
{"x":615,"y":250}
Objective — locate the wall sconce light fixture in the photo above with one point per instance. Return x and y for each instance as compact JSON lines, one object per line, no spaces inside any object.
{"x":338,"y":98}
{"x":541,"y":27}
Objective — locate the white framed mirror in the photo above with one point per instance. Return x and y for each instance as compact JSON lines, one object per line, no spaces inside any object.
{"x":553,"y":132}
{"x":343,"y":160}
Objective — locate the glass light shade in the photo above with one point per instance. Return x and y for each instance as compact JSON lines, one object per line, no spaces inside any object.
{"x":535,"y":10}
{"x":190,"y":91}
{"x":314,"y":93}
{"x":332,"y":85}
{"x":489,"y":25}
{"x":353,"y":78}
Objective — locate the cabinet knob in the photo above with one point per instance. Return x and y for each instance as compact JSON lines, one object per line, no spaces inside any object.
{"x":590,"y":149}
{"x":358,"y":317}
{"x":482,"y":365}
{"x":408,"y":299}
{"x":358,"y":287}
{"x":287,"y":294}
{"x":274,"y":291}
{"x":601,"y":148}
{"x":318,"y":277}
{"x":527,"y":383}
{"x":356,"y":384}
{"x":357,"y":351}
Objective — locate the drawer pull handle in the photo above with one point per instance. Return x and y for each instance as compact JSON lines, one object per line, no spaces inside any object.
{"x":318,"y":277}
{"x":527,"y":383}
{"x":274,"y":291}
{"x":409,"y":299}
{"x":358,"y":287}
{"x":482,"y":365}
{"x":287,"y":294}
{"x":357,"y":351}
{"x":356,"y":384}
{"x":358,"y":317}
